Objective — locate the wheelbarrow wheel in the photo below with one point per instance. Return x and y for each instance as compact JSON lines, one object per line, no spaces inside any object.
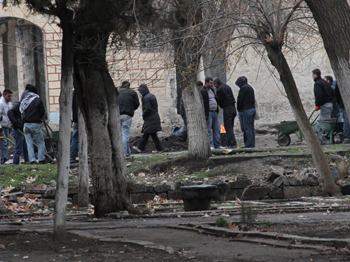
{"x":284,"y":140}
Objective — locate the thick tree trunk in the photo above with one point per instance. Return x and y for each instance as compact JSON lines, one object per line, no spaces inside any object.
{"x":186,"y":58}
{"x":97,"y":99}
{"x":333,"y":20}
{"x":280,"y":63}
{"x":186,"y":70}
{"x":65,"y":131}
{"x":83,"y":193}
{"x":198,"y":139}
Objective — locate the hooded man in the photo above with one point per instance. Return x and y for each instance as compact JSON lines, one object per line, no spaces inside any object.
{"x":128,"y":103}
{"x":323,"y":100}
{"x":226,"y":101}
{"x":32,"y":110}
{"x":151,"y":120}
{"x":246,"y":110}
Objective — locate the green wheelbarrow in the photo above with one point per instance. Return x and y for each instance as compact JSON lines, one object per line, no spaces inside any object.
{"x":331,"y":127}
{"x":286,"y":128}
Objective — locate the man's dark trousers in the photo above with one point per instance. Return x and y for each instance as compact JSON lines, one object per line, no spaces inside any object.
{"x":229,"y":118}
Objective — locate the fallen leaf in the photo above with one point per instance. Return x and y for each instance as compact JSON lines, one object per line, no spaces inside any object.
{"x":290,"y":247}
{"x":263,"y":230}
{"x":239,"y":236}
{"x":279,"y":235}
{"x":25,"y":257}
{"x":2,"y":246}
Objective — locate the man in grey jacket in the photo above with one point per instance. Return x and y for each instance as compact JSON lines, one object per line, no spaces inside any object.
{"x":5,"y":106}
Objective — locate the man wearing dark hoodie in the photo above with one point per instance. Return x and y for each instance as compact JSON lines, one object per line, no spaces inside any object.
{"x":32,"y":110}
{"x":323,"y":100}
{"x":226,"y":100}
{"x":151,"y":120}
{"x":128,"y":103}
{"x":246,"y":110}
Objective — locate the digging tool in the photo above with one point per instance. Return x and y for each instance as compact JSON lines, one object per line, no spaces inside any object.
{"x":37,"y":147}
{"x":48,"y":134}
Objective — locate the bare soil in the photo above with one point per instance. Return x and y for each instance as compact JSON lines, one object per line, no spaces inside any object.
{"x":41,"y":247}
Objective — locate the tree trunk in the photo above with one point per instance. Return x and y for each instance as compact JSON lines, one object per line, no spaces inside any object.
{"x":280,"y":63}
{"x":333,"y":20}
{"x":83,"y":193}
{"x":186,"y":58}
{"x":186,"y":70}
{"x":59,"y":230}
{"x":3,"y":209}
{"x":97,"y":100}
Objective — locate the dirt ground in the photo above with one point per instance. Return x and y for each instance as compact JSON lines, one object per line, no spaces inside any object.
{"x":33,"y":247}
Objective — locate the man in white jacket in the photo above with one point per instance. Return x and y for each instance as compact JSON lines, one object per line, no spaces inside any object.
{"x":5,"y":106}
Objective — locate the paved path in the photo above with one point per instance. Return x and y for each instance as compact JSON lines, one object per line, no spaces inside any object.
{"x":156,"y":233}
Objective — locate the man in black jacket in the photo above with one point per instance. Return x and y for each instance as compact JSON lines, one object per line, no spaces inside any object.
{"x":211,"y":110}
{"x":151,"y":120}
{"x":17,"y":132}
{"x":246,"y":110}
{"x":32,"y":110}
{"x":128,"y":103}
{"x":74,"y":147}
{"x":323,"y":100}
{"x":226,"y":100}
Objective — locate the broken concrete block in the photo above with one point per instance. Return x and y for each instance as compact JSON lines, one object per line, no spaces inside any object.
{"x":50,"y":194}
{"x":315,"y":191}
{"x":281,"y":180}
{"x":310,"y":180}
{"x":276,"y":193}
{"x":296,"y":191}
{"x":239,"y":184}
{"x":161,"y":188}
{"x":255,"y":193}
{"x":175,"y":194}
{"x":343,"y":169}
{"x":232,"y":194}
{"x":277,"y":170}
{"x":295,"y":180}
{"x":141,"y":197}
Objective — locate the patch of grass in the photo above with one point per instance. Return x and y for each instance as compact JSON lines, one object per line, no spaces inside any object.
{"x":201,"y":175}
{"x":143,"y":163}
{"x":221,"y":222}
{"x":268,"y":224}
{"x":16,"y":175}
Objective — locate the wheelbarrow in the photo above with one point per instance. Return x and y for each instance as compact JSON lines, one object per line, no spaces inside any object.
{"x":331,"y":127}
{"x":286,"y":128}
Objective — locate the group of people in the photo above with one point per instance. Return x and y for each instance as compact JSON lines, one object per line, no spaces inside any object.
{"x":24,"y":117}
{"x":217,"y":95}
{"x":329,"y":103}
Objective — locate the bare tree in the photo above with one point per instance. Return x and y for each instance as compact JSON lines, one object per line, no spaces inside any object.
{"x":3,"y":209}
{"x":269,"y":20}
{"x":186,"y":38}
{"x":333,"y":20}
